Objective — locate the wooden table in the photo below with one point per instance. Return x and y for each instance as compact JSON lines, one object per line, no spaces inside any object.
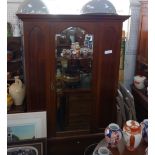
{"x":122,"y":150}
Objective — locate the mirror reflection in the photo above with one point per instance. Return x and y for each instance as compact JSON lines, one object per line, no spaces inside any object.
{"x":74,"y":56}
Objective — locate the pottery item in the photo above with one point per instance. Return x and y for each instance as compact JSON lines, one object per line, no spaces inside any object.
{"x":139,"y":81}
{"x":132,"y":133}
{"x":16,"y":31}
{"x":144,"y":125}
{"x":73,"y":46}
{"x":70,"y":78}
{"x":113,"y":134}
{"x":103,"y":151}
{"x":17,"y":91}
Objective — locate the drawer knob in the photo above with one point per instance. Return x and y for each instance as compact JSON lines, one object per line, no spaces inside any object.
{"x":78,"y":142}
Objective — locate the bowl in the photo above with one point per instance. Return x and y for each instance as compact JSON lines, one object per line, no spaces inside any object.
{"x":71,"y":79}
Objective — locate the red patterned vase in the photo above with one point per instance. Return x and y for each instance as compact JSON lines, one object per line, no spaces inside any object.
{"x":132,"y":133}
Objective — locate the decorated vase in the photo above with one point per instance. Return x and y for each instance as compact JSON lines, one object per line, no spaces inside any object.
{"x":113,"y":135}
{"x":132,"y":133}
{"x":144,"y":125}
{"x":17,"y":91}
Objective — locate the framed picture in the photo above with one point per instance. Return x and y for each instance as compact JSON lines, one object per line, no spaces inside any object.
{"x":28,"y":147}
{"x":22,"y":126}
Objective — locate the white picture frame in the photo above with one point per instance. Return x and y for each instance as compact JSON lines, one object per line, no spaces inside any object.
{"x":29,"y":125}
{"x":15,"y":1}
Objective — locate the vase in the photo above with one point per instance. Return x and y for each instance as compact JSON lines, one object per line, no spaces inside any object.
{"x":17,"y":91}
{"x":113,"y":135}
{"x":16,"y":31}
{"x":144,"y":125}
{"x":132,"y":134}
{"x":139,"y":81}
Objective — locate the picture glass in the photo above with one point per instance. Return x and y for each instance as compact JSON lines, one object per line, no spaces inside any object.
{"x":21,"y":132}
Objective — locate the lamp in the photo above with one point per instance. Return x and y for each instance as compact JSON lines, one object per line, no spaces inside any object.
{"x":98,"y":6}
{"x":33,"y":7}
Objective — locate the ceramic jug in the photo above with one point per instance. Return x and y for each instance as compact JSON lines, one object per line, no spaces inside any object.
{"x":132,"y":133}
{"x":17,"y":91}
{"x":16,"y":31}
{"x":113,"y":134}
{"x":139,"y":81}
{"x":144,"y":125}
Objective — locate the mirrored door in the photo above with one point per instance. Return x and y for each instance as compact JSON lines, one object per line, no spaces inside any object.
{"x":74,"y":58}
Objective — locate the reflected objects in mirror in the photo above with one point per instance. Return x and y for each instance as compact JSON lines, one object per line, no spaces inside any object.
{"x":74,"y":34}
{"x":85,"y":80}
{"x":74,"y":42}
{"x":71,"y":78}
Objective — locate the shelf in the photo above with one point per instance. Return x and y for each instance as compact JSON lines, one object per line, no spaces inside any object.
{"x":75,"y":90}
{"x":15,"y":60}
{"x":17,"y":109}
{"x":64,"y":45}
{"x":13,"y":79}
{"x":74,"y":58}
{"x":14,"y":43}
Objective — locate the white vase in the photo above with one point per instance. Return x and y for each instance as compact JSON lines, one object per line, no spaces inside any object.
{"x":16,"y":31}
{"x":17,"y":91}
{"x":132,"y":133}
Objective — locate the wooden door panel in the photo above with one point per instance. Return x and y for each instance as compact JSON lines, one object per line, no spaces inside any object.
{"x":108,"y":67}
{"x":36,"y":48}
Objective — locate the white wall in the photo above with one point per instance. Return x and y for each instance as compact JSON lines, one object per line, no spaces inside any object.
{"x":12,"y":6}
{"x":132,"y":43}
